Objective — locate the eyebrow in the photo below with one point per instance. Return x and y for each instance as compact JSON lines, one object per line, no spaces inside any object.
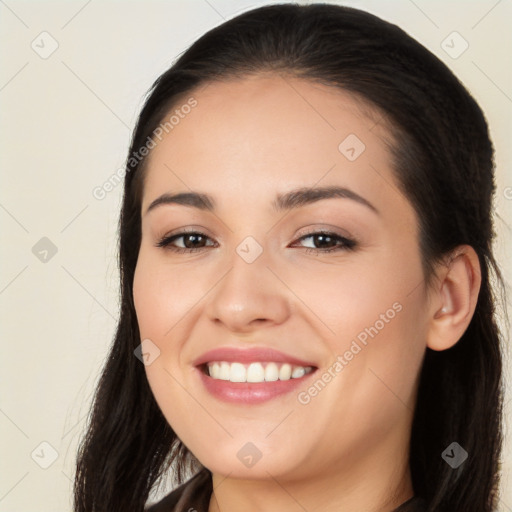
{"x":293,"y":199}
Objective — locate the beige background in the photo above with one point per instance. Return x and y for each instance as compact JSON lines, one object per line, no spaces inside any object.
{"x":66,"y":122}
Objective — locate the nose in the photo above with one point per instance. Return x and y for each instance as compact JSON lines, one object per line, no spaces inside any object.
{"x":248,"y":297}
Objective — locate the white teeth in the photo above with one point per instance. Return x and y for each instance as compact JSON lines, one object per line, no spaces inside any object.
{"x":298,"y":372}
{"x":285,"y":372}
{"x":271,"y":372}
{"x":238,"y":373}
{"x":256,"y":372}
{"x":224,"y":371}
{"x":215,"y":369}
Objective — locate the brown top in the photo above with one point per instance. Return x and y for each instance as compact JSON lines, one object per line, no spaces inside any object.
{"x":194,"y":496}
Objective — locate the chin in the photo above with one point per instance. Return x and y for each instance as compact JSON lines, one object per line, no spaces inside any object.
{"x":244,"y":460}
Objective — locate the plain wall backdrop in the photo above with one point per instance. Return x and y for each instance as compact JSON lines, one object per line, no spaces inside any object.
{"x":73,"y":76}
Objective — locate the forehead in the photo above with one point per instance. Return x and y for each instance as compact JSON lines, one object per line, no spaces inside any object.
{"x":267,"y":132}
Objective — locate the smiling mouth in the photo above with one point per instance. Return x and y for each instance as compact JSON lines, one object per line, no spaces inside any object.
{"x":254,"y":372}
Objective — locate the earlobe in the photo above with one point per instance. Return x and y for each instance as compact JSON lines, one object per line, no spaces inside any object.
{"x":454,"y":298}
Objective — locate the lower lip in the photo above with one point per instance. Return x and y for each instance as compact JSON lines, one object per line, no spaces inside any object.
{"x":250,"y":392}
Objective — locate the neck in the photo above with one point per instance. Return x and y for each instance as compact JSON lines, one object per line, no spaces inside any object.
{"x":379,"y":485}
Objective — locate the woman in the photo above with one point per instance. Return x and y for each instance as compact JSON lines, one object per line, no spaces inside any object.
{"x":364,"y":374}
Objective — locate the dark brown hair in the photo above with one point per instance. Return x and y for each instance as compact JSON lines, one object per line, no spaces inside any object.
{"x":443,"y":159}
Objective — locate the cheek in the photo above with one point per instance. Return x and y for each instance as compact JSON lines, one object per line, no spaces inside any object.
{"x":354,"y":300}
{"x":366,"y":389}
{"x":163,"y":295}
{"x":378,"y":323}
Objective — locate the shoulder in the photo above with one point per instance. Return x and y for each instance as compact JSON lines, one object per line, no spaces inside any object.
{"x":415,"y":504}
{"x":194,"y":494}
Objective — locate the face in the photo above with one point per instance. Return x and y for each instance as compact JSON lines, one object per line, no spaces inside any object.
{"x":285,"y":332}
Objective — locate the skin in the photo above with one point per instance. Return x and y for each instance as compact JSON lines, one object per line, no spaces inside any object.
{"x":246,"y":141}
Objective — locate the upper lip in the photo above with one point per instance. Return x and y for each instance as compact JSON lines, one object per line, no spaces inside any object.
{"x":249,"y":355}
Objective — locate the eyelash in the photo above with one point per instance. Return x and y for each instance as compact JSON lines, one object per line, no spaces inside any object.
{"x":346,"y":244}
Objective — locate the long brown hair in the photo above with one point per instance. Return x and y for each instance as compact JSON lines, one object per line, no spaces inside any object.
{"x":444,"y":163}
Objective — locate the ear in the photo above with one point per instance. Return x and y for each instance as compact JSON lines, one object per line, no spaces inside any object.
{"x":453,"y":298}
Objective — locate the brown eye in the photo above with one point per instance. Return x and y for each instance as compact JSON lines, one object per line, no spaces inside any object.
{"x":328,"y":242}
{"x":192,"y":241}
